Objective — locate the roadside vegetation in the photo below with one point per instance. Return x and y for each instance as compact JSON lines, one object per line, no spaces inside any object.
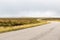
{"x":17,"y":24}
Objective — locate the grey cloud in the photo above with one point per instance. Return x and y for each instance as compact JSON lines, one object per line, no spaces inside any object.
{"x":38,"y":8}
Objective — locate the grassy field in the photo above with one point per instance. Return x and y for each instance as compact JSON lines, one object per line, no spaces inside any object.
{"x":13,"y":24}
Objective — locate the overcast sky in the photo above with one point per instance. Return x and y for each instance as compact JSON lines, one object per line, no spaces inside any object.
{"x":29,"y":8}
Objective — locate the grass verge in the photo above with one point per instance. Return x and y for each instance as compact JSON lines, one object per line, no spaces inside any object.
{"x":7,"y":29}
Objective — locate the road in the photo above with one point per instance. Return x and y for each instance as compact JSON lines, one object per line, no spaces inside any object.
{"x":45,"y":32}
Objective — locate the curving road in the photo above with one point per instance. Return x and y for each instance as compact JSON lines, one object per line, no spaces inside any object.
{"x":46,"y":32}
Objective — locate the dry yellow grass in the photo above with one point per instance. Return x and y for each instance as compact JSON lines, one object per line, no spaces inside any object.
{"x":2,"y":29}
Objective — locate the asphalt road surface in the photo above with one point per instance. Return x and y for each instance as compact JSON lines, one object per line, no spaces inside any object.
{"x":49,"y":31}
